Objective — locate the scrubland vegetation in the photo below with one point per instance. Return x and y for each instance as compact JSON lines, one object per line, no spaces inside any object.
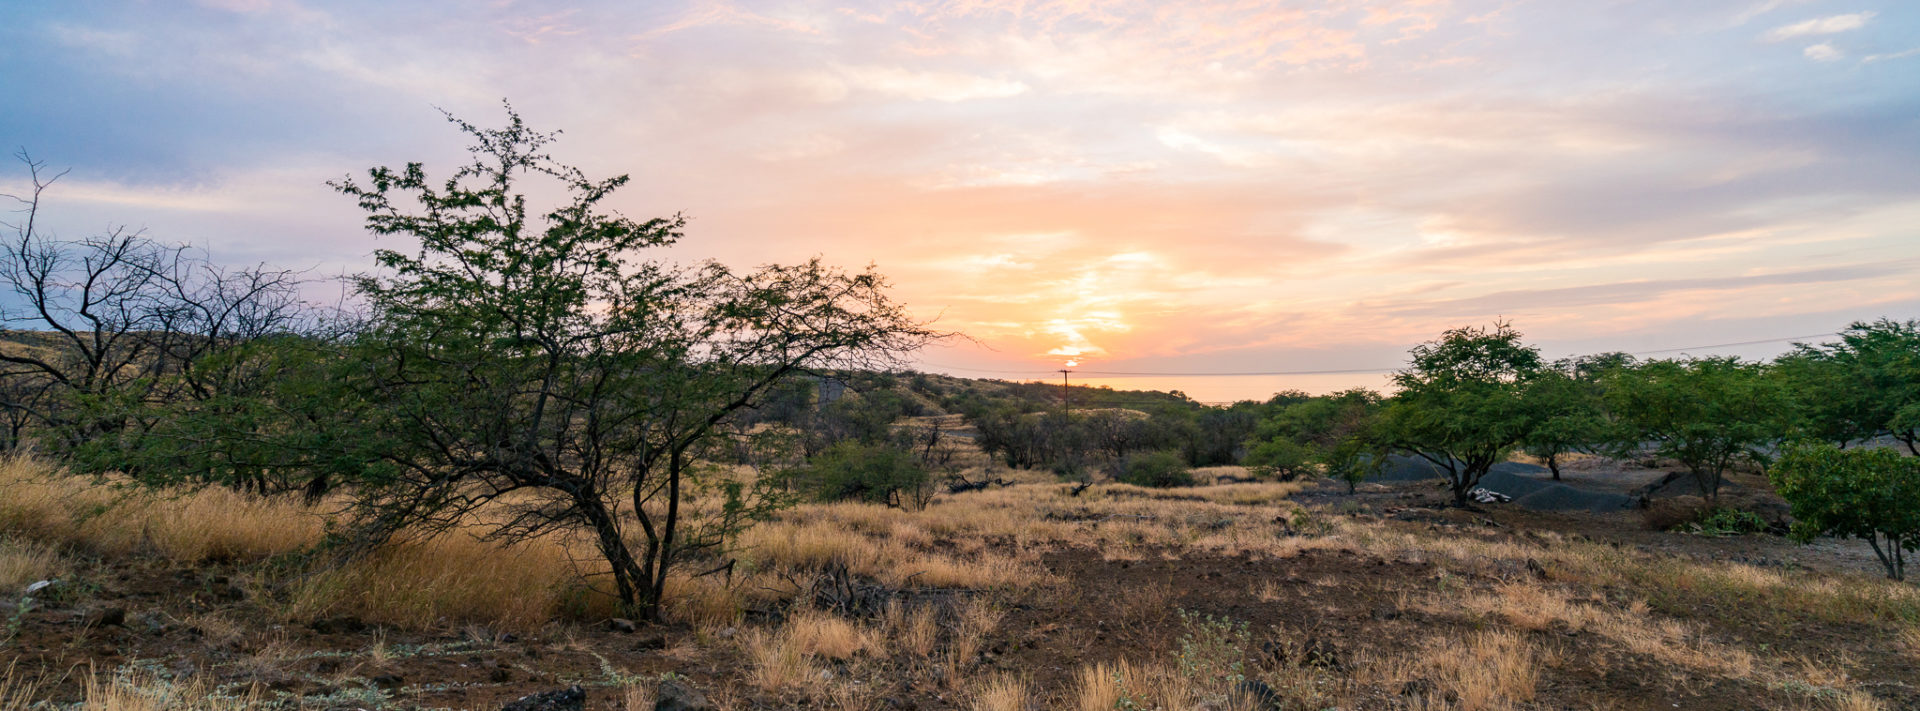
{"x":532,"y":458}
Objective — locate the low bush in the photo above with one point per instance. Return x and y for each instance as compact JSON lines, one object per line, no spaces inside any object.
{"x":874,"y":473}
{"x":1164,"y":469}
{"x":1728,"y":522}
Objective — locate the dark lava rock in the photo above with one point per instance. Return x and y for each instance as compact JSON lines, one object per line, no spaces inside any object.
{"x":108,"y":617}
{"x":1257,"y":694}
{"x":337,"y":625}
{"x":572,"y":698}
{"x":676,"y":696}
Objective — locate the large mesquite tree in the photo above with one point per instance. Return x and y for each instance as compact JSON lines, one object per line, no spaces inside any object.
{"x":1462,"y":402}
{"x":536,"y":363}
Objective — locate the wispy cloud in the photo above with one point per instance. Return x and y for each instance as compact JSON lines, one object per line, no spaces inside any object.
{"x":1819,"y":26}
{"x":1823,"y":52}
{"x":1238,"y":182}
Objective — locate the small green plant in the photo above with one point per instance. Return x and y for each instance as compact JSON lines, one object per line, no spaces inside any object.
{"x":16,"y":620}
{"x":1213,"y":648}
{"x":1307,"y":523}
{"x":1727,"y":522}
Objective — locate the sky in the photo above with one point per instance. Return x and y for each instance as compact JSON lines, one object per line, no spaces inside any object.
{"x":1138,"y":187}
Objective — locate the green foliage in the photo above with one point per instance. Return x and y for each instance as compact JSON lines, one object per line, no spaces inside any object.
{"x":1332,"y":434}
{"x":539,"y":353}
{"x":1461,"y":403}
{"x":1864,"y":385}
{"x":874,"y":473}
{"x":1871,"y":494}
{"x":1709,"y":413}
{"x":1727,"y":522}
{"x":1161,"y":469}
{"x":1566,"y":403}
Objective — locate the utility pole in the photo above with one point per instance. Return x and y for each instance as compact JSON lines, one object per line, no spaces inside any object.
{"x":1066,"y":395}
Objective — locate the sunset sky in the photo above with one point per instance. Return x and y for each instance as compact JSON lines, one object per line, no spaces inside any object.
{"x":1151,"y":187}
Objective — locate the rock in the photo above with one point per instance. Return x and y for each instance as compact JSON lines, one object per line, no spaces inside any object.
{"x":337,"y":625}
{"x":650,"y":642}
{"x":623,"y":625}
{"x":572,"y":698}
{"x":386,"y":681}
{"x":1255,"y":693}
{"x":108,"y":617}
{"x":677,"y":696}
{"x":1539,"y":571}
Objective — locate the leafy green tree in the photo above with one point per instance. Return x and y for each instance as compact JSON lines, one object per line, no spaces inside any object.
{"x":1864,"y":385}
{"x":1329,"y":434}
{"x":1565,"y":401}
{"x":1709,"y":413}
{"x":536,"y":363}
{"x":1461,"y":403}
{"x":1866,"y":493}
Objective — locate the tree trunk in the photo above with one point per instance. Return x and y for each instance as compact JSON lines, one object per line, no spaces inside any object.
{"x":1553,"y":464}
{"x":629,"y":584}
{"x":1889,"y":556}
{"x":657,"y":587}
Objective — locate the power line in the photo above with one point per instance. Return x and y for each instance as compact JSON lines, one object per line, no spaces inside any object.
{"x":1741,"y":343}
{"x":1353,"y":371}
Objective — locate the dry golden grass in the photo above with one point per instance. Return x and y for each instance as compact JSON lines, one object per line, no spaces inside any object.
{"x":637,"y":697}
{"x":41,"y":502}
{"x":1526,"y":605}
{"x":777,"y":662}
{"x":825,"y":635}
{"x":450,"y":580}
{"x":216,"y":524}
{"x":1487,"y":671}
{"x":1853,"y":701}
{"x":15,"y":694}
{"x":1002,"y":693}
{"x":140,"y":691}
{"x":24,"y":562}
{"x":216,"y":628}
{"x":915,"y":631}
{"x":975,"y":620}
{"x":1094,"y":687}
{"x":1910,"y":639}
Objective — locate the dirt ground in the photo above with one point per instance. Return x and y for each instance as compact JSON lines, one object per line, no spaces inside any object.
{"x":1321,"y":626}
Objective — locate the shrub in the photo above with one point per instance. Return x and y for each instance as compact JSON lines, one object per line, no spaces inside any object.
{"x":1854,"y":493}
{"x":1163,"y":469}
{"x":1724,"y":521}
{"x":876,"y":473}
